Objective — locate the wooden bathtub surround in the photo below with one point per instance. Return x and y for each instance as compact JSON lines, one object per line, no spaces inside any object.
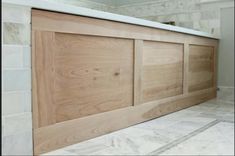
{"x":93,"y":76}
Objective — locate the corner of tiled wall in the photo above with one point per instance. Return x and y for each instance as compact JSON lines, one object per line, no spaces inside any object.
{"x":16,"y":81}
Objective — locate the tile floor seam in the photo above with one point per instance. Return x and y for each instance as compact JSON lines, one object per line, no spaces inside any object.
{"x":184,"y":138}
{"x":221,"y":120}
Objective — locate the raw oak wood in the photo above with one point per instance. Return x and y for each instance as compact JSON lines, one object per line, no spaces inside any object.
{"x":201,"y":67}
{"x":162,"y":74}
{"x":82,"y":75}
{"x":93,"y":76}
{"x":55,"y":136}
{"x":138,"y":71}
{"x":43,"y":70}
{"x":186,"y":65}
{"x":52,"y":21}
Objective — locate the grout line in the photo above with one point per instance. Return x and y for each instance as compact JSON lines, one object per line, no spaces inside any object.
{"x":184,"y":138}
{"x":227,"y":121}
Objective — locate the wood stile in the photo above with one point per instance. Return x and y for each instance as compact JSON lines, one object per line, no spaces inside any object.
{"x":87,"y":72}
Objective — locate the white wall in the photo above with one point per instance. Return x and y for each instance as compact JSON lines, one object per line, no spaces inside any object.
{"x":226,"y":49}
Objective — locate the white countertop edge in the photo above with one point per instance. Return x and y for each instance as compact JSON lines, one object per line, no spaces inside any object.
{"x":52,"y":6}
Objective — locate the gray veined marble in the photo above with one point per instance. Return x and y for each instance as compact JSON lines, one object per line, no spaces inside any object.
{"x":217,"y":140}
{"x":16,"y":33}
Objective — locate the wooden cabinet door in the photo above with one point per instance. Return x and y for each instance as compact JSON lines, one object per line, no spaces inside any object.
{"x":201,"y":67}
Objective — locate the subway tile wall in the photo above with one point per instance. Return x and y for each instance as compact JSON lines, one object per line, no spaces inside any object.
{"x":16,"y":81}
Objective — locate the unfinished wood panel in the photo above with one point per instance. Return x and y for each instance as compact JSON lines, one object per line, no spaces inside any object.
{"x":162,"y":73}
{"x":186,"y":63}
{"x":201,"y":67}
{"x":43,"y":72}
{"x":66,"y":133}
{"x":84,"y":75}
{"x":88,"y":72}
{"x":138,"y":71}
{"x":52,"y":21}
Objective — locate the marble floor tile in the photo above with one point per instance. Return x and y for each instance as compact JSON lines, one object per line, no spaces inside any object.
{"x":60,"y":152}
{"x":215,"y":109}
{"x":217,"y":140}
{"x":142,"y":138}
{"x":127,"y":141}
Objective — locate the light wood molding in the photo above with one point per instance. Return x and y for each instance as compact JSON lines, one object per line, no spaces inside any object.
{"x":186,"y":64}
{"x":138,"y":71}
{"x":43,"y":70}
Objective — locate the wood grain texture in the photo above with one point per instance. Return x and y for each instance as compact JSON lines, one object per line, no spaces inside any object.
{"x":162,"y":74}
{"x":186,"y":68}
{"x":138,"y":71}
{"x":201,"y":67}
{"x":43,"y":71}
{"x":73,"y":131}
{"x":52,"y":21}
{"x":83,"y":75}
{"x":88,"y":72}
{"x":94,"y":75}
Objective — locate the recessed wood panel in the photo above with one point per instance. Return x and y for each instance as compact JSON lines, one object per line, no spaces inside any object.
{"x":162,"y":70}
{"x":201,"y":67}
{"x":86,"y":75}
{"x":92,"y":76}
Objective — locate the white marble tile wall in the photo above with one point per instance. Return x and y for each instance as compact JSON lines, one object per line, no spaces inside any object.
{"x":186,"y":13}
{"x":202,"y":15}
{"x":16,"y":81}
{"x":88,"y":4}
